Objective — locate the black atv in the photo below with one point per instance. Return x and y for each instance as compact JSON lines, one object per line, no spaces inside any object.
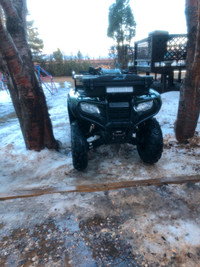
{"x":108,"y":107}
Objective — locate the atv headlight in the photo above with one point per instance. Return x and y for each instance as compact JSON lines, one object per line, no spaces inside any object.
{"x":89,"y":108}
{"x":144,"y":106}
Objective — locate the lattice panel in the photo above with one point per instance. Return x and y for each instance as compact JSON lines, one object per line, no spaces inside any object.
{"x":159,"y":48}
{"x":176,"y":48}
{"x":165,"y":48}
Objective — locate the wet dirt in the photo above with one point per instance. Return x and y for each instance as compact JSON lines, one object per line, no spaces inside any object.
{"x":142,"y":226}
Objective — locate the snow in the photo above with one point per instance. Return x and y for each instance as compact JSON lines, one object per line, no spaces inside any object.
{"x":25,"y":170}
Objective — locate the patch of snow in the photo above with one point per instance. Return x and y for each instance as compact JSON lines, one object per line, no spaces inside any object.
{"x":187,"y":231}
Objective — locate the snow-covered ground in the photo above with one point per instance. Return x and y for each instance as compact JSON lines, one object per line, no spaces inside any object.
{"x":22,"y":169}
{"x":144,"y":226}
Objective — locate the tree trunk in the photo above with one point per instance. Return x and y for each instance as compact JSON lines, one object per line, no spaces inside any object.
{"x":26,"y":93}
{"x":122,"y":52}
{"x":189,"y":103}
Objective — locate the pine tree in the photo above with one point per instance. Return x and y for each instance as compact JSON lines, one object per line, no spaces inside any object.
{"x":36,"y":44}
{"x":121,"y":28}
{"x":58,"y":58}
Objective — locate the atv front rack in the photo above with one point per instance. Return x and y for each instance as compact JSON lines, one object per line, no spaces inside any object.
{"x":101,"y":85}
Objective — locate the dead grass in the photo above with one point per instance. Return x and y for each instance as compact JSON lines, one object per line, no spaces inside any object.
{"x":63,"y":79}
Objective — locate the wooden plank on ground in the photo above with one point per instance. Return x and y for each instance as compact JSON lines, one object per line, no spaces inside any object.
{"x":101,"y":187}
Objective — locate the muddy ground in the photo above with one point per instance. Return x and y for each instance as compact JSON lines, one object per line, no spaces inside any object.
{"x":144,"y":226}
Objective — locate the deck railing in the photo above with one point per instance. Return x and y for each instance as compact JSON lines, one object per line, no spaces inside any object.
{"x":160,"y":52}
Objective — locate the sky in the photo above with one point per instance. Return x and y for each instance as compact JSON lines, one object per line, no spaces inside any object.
{"x":74,"y":25}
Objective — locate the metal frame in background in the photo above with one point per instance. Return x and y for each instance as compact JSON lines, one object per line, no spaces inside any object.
{"x":44,"y":77}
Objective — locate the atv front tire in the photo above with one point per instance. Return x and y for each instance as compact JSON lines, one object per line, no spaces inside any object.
{"x":79,"y":147}
{"x":149,"y":141}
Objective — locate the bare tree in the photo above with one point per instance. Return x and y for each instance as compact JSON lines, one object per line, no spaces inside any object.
{"x":26,"y":93}
{"x":189,"y":103}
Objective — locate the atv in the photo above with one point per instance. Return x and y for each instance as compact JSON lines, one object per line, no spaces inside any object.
{"x":106,"y":107}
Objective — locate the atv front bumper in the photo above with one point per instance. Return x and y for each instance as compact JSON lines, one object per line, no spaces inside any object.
{"x":113,"y":113}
